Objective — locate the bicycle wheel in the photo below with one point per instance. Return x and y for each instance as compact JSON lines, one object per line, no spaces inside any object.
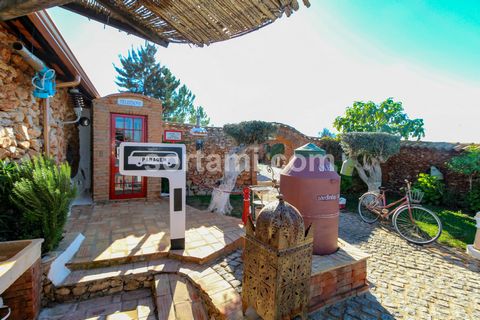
{"x":368,"y":201}
{"x":422,"y":226}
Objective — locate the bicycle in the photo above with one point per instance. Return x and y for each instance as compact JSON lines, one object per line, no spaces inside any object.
{"x":412,"y":221}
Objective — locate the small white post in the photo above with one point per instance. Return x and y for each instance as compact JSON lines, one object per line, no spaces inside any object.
{"x":474,"y":249}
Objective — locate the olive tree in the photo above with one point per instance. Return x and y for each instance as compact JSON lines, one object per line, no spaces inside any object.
{"x":368,"y":150}
{"x":246,"y":134}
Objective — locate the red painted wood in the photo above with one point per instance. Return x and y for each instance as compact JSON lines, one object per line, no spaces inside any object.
{"x":113,"y":168}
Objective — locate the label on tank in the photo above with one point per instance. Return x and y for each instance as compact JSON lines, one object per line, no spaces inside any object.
{"x":328,"y":197}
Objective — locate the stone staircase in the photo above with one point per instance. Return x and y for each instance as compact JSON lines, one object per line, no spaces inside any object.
{"x":178,"y":290}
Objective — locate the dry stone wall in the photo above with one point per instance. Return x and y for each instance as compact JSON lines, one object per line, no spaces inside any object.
{"x":415,"y":157}
{"x":21,"y":131}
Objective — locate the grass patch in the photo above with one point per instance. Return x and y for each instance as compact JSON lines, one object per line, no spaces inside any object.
{"x":202,"y":202}
{"x":458,"y":228}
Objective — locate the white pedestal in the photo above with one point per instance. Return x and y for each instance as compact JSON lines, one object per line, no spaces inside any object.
{"x":473,"y":252}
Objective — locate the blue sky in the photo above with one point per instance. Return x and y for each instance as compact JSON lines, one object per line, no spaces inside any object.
{"x":304,"y":70}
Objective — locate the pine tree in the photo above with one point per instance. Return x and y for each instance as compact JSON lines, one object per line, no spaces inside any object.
{"x":141,"y":73}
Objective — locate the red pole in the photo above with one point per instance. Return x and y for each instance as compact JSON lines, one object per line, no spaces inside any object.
{"x":246,"y":204}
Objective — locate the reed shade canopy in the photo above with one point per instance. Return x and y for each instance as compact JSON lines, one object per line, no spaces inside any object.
{"x":198,"y":22}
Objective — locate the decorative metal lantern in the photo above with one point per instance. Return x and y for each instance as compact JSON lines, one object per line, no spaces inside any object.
{"x":277,"y":263}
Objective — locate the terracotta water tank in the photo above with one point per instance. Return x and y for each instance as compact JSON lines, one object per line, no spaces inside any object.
{"x":310,"y":184}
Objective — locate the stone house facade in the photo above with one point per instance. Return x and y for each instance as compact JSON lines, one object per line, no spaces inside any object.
{"x":21,"y":114}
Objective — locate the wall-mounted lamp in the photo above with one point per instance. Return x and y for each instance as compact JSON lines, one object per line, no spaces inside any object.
{"x":198,"y":132}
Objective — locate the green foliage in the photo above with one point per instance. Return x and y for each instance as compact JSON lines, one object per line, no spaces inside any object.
{"x":432,"y":188}
{"x":377,"y":145}
{"x":472,"y":199}
{"x":388,"y":116}
{"x":141,"y":73}
{"x":272,"y":151}
{"x":42,"y":195}
{"x":326,"y":133}
{"x":468,"y":163}
{"x":332,"y":146}
{"x":9,"y":222}
{"x":250,"y":132}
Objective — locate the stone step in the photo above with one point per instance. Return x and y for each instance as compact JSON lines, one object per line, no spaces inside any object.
{"x":177,"y":299}
{"x":218,"y":295}
{"x":133,"y":305}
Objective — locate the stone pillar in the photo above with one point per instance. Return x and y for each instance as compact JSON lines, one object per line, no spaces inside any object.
{"x":474,"y":249}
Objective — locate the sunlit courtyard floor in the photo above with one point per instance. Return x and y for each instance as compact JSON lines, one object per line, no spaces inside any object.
{"x":122,"y":232}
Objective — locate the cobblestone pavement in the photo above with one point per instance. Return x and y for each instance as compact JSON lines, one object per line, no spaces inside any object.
{"x":406,"y":281}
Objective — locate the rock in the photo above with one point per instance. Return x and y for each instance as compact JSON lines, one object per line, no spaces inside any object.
{"x":36,"y":144}
{"x":18,"y":116}
{"x":63,"y":291}
{"x":29,"y":120}
{"x":24,"y":144}
{"x":22,"y":93}
{"x":26,"y":157}
{"x":116,"y":283}
{"x":35,"y":132}
{"x":12,"y":149}
{"x":131,"y":284}
{"x":9,"y":132}
{"x":5,"y":122}
{"x":78,"y":291}
{"x":98,"y":286}
{"x":21,"y":132}
{"x":5,"y":142}
{"x":8,"y":105}
{"x":115,"y":290}
{"x":4,"y":153}
{"x":47,"y":289}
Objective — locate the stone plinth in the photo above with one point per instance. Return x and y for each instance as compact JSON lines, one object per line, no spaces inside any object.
{"x":338,"y":276}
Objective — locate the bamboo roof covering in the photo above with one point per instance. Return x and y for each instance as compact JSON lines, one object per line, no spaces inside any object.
{"x":198,"y":22}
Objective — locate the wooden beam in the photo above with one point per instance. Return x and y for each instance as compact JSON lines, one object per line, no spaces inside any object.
{"x":137,"y":25}
{"x":10,"y":9}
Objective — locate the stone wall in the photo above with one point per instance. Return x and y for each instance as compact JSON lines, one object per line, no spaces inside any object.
{"x":21,"y":131}
{"x":418,"y":157}
{"x":415,"y":157}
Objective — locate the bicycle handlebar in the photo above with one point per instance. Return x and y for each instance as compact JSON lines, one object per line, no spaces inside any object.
{"x":408,"y":185}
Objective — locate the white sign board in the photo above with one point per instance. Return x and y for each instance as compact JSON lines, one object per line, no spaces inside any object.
{"x":160,"y":160}
{"x":130,"y":102}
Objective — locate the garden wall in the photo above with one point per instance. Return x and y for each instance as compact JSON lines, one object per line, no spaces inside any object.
{"x":21,"y":132}
{"x":415,"y":157}
{"x":217,"y":142}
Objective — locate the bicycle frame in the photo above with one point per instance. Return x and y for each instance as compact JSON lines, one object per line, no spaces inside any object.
{"x":401,"y":203}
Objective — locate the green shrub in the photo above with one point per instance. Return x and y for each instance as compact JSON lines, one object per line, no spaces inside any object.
{"x":250,"y":132}
{"x":9,"y":215}
{"x":432,"y":188}
{"x":43,"y":195}
{"x":472,"y":199}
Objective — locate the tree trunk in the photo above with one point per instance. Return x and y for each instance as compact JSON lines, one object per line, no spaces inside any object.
{"x":370,"y":174}
{"x":220,"y":202}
